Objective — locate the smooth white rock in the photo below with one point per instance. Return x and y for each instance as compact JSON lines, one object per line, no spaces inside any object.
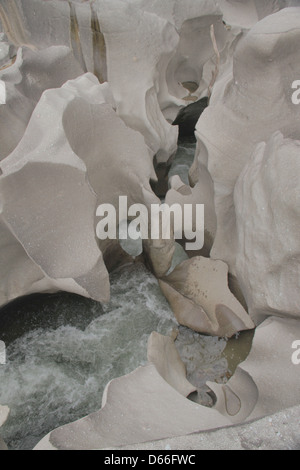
{"x":255,"y":103}
{"x":32,"y":73}
{"x":267,"y":205}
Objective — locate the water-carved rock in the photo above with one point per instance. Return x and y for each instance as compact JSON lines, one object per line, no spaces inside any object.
{"x":198,"y":293}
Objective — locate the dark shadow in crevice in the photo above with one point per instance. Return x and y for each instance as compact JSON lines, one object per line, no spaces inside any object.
{"x":53,"y":310}
{"x":160,"y":187}
{"x":187,"y":119}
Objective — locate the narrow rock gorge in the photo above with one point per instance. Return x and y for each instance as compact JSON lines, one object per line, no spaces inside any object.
{"x":117,"y":339}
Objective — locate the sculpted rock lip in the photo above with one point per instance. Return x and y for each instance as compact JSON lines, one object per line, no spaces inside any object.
{"x":198,"y":292}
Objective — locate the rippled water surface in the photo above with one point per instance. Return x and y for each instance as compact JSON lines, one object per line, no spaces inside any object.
{"x":56,"y":370}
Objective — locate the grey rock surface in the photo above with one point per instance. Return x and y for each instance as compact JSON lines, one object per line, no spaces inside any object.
{"x":24,"y":82}
{"x":37,"y":220}
{"x":280,"y":431}
{"x":229,"y":130}
{"x":197,"y":289}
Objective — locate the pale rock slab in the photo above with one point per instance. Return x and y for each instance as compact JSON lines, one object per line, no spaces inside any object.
{"x":138,"y":407}
{"x":255,"y":103}
{"x":159,"y":254}
{"x":94,"y":32}
{"x":40,"y":24}
{"x":150,"y":41}
{"x":126,"y":171}
{"x":245,"y":13}
{"x":192,"y":21}
{"x":198,"y":293}
{"x":63,"y":246}
{"x":267,"y":381}
{"x":188,"y":65}
{"x":81,"y":156}
{"x":151,"y":32}
{"x":23,"y":83}
{"x":163,"y":354}
{"x":267,"y":206}
{"x":15,"y":262}
{"x":280,"y":431}
{"x":43,"y":241}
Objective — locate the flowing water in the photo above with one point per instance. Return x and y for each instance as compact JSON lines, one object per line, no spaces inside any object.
{"x":182,"y":161}
{"x":63,"y":349}
{"x":56,"y":370}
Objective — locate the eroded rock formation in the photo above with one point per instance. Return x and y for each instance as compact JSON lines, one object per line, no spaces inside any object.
{"x":39,"y":222}
{"x":163,"y":354}
{"x":69,"y":143}
{"x":230,"y":128}
{"x":23,"y":84}
{"x":268,"y":246}
{"x":197,"y":290}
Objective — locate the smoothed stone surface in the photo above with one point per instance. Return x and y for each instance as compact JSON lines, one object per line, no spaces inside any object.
{"x":254,"y":104}
{"x":267,"y":381}
{"x":32,"y":73}
{"x":150,"y":41}
{"x":280,"y":431}
{"x":198,"y":293}
{"x":53,"y":182}
{"x":246,"y":13}
{"x":267,"y":202}
{"x":163,"y":354}
{"x":136,"y":408}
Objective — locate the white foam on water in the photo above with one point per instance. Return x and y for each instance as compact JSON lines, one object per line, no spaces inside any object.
{"x":203,"y":356}
{"x":55,"y":376}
